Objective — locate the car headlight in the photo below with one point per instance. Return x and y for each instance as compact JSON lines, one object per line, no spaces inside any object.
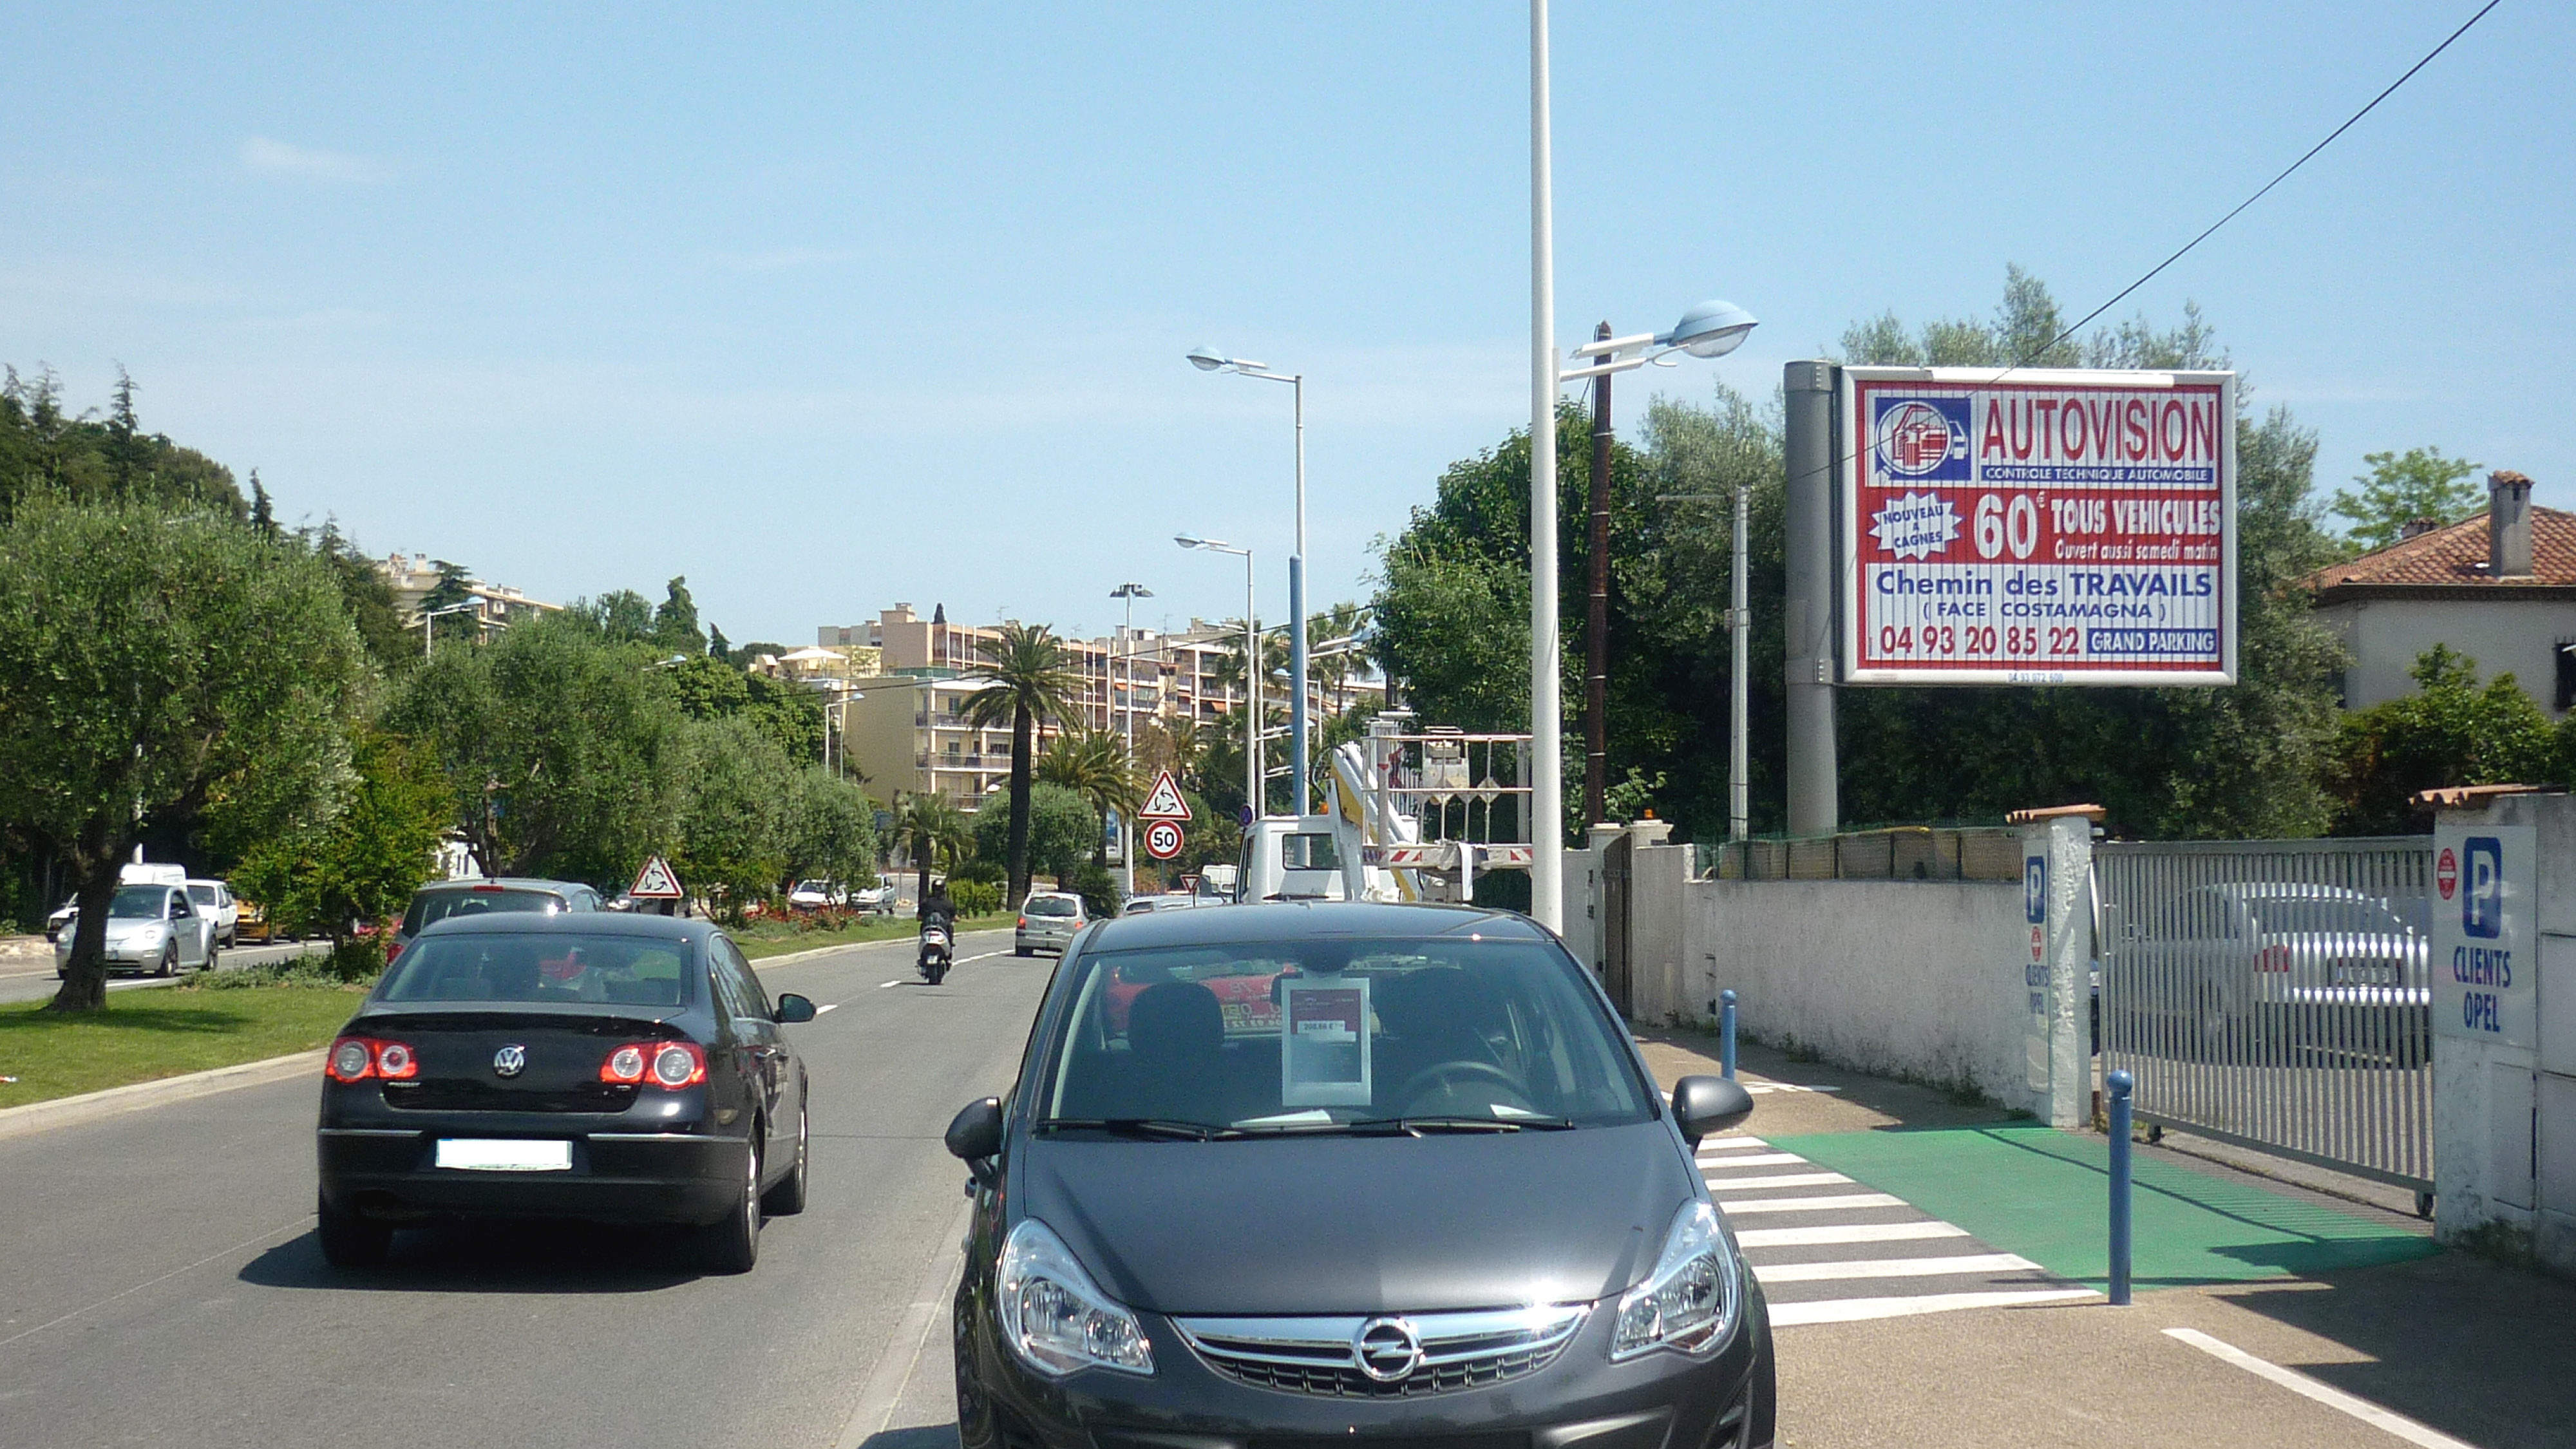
{"x":1055,"y":1318}
{"x":1689,"y":1302}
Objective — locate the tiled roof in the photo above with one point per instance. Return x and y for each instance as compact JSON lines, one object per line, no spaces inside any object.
{"x":2456,"y":556}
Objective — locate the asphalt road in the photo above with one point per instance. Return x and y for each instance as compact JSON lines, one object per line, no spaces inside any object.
{"x":32,"y":979}
{"x":159,"y":1280}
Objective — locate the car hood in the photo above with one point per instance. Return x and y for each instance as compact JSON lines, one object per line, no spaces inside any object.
{"x":1354,"y":1225}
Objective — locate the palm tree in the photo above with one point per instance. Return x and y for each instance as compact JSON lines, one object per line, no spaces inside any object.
{"x":1093,"y":764}
{"x":1028,"y":675}
{"x":1344,"y":620}
{"x":931,"y":827}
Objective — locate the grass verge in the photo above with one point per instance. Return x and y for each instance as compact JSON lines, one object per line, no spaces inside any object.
{"x":144,"y":1035}
{"x":777,"y":938}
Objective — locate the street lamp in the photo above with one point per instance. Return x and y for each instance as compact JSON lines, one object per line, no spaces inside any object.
{"x":429,"y":614}
{"x":1131,"y":593}
{"x":1209,"y":360}
{"x":1711,"y":329}
{"x":1251,"y":669}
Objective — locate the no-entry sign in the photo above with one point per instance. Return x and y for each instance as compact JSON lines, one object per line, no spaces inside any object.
{"x":1162,"y":839}
{"x":2038,"y":527}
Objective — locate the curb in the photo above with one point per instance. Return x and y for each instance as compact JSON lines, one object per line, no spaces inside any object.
{"x":134,"y":1097}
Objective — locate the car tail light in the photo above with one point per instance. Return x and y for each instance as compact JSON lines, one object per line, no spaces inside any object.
{"x":1024,"y":923}
{"x":486,"y":889}
{"x":356,"y":1058}
{"x":2272,"y":958}
{"x":393,"y":953}
{"x":672,"y":1064}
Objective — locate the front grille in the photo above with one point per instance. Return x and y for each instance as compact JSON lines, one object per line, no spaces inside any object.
{"x":480,"y":1097}
{"x":1319,"y":1355}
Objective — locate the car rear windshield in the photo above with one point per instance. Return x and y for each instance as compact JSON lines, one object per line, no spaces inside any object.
{"x":428,"y":908}
{"x":137,"y":903}
{"x":202,"y":895}
{"x":1318,"y":1035}
{"x":1053,"y":905}
{"x":612,"y":970}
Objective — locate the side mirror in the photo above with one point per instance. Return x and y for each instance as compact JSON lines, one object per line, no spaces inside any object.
{"x":793,"y":1008}
{"x":975,"y":1137}
{"x":1702,"y":1105}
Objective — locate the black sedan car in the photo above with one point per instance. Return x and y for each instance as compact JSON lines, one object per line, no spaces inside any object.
{"x":614,"y":1068}
{"x":1316,"y":1174}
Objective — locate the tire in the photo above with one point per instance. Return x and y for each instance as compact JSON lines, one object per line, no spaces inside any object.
{"x":169,"y":961}
{"x":1019,"y":950}
{"x":731,"y":1244}
{"x":787,"y":1199}
{"x":976,"y":1428}
{"x":214,"y":957}
{"x":350,"y":1241}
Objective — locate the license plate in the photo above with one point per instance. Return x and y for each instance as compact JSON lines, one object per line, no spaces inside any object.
{"x":475,"y":1154}
{"x":2365,"y":976}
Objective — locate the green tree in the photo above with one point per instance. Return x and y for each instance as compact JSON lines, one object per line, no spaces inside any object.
{"x":675,"y":621}
{"x":2403,"y":487}
{"x":455,"y":587}
{"x":620,"y":616}
{"x":829,"y":831}
{"x":933,"y":831}
{"x":734,"y":814}
{"x":1029,"y":675}
{"x":46,"y":451}
{"x":1061,"y":829}
{"x":2450,"y":731}
{"x":1093,"y":764}
{"x":163,"y":665}
{"x":364,"y":863}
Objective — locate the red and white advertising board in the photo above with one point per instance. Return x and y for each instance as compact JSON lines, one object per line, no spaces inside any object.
{"x":2007,"y":526}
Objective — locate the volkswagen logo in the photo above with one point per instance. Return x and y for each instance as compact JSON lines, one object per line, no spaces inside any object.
{"x":510,"y":1060}
{"x":1386,"y":1349}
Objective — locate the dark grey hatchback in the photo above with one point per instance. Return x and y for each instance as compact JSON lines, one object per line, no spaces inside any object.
{"x":1318,"y":1174}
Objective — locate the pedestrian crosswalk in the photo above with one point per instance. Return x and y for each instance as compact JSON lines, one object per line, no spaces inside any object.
{"x":1826,"y":1248}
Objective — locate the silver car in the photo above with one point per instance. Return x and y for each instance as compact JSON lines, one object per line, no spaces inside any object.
{"x":2264,"y":965}
{"x":1049,"y":920}
{"x":149,"y":928}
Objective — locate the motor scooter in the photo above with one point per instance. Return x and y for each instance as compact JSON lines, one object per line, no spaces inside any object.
{"x":937,"y":950}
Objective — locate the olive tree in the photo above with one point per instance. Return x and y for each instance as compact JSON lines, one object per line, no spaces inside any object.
{"x":162,"y":665}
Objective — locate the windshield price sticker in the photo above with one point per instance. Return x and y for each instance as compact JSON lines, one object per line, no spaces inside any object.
{"x":1324,"y":1042}
{"x":2038,"y":527}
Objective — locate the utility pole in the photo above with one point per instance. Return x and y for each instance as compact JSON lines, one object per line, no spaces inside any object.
{"x":1814,"y":804}
{"x":1596,"y":622}
{"x":1547,"y":724}
{"x":1130,"y":592}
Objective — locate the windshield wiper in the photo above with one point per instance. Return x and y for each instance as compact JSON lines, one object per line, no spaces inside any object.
{"x":1420,"y":1126}
{"x":1139,"y":1127}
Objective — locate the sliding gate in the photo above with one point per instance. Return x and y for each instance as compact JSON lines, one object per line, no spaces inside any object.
{"x":2275,"y":994}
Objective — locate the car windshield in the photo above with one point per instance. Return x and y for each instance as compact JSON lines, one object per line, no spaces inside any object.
{"x":431,"y":907}
{"x":1053,"y":905}
{"x":1337,"y":1034}
{"x":137,"y":903}
{"x":813,"y":887}
{"x":2337,"y":915}
{"x":473,"y":966}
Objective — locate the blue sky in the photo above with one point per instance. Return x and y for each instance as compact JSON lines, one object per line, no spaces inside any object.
{"x":829,"y":307}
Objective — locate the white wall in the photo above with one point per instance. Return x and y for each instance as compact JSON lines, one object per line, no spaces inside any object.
{"x":2387,"y":635}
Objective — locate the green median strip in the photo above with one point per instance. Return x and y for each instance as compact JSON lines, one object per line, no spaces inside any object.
{"x":2044,"y":1194}
{"x":778,"y":938}
{"x":142,"y":1036}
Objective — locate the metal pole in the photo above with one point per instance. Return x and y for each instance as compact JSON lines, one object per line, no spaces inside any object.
{"x":2120,"y":1084}
{"x":426,"y":620}
{"x":1127,"y":825}
{"x":1726,"y":1034}
{"x":1299,"y":797}
{"x":1596,"y":619}
{"x":1814,"y":808}
{"x":1547,"y":760}
{"x":1739,"y":768}
{"x":1251,"y":696}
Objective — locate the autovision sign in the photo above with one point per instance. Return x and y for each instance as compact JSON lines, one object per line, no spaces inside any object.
{"x":2038,"y":527}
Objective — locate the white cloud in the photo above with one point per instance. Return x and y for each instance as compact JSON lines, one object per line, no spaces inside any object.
{"x":277,"y":158}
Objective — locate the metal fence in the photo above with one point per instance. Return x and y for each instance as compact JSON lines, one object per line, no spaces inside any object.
{"x":2274,"y":994}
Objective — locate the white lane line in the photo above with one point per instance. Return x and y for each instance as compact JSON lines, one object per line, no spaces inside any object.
{"x":1852,"y":1310}
{"x":1811,"y":1204}
{"x":294,"y":1225}
{"x":1894,"y":1268}
{"x":2333,"y":1398}
{"x":1756,"y":1159}
{"x":1729,"y":1144}
{"x":1846,"y":1233}
{"x":980,"y":956}
{"x":827,"y":1006}
{"x":1783,"y":1179}
{"x":882,"y":985}
{"x":1759,"y":1088}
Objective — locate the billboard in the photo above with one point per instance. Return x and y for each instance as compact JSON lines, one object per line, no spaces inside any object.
{"x":2037,"y":527}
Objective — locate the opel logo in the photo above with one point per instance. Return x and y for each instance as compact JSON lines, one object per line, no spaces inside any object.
{"x":510,"y":1060}
{"x":1386,"y":1349}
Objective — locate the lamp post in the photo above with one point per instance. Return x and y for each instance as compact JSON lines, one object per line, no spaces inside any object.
{"x":429,"y":614}
{"x":1130,"y":592}
{"x":1251,"y":670}
{"x":1209,"y":360}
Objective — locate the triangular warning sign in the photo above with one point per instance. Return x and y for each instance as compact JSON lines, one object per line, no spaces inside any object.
{"x":655,"y":882}
{"x":1165,"y":802}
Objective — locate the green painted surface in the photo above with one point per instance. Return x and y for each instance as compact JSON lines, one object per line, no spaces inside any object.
{"x":2045,"y":1195}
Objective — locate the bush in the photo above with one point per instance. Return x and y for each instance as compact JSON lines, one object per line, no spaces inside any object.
{"x":987,"y":872}
{"x":1098,"y":889}
{"x":974,"y":897}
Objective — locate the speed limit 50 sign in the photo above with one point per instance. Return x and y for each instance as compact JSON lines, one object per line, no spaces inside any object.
{"x":1162,"y":839}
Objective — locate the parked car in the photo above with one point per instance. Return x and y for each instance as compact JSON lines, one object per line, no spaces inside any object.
{"x":1048,"y":921}
{"x":1435,"y":1199}
{"x":134,"y":873}
{"x":561,"y":1064}
{"x":216,"y":899}
{"x":490,"y":895}
{"x":2250,"y":968}
{"x":150,"y":928}
{"x":878,"y":899}
{"x":1163,"y":901}
{"x":814,"y":895}
{"x":252,"y":923}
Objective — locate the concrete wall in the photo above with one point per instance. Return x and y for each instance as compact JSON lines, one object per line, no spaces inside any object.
{"x":1912,"y":978}
{"x":2387,"y":635}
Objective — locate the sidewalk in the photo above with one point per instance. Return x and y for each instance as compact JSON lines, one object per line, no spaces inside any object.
{"x":2269,"y":1314}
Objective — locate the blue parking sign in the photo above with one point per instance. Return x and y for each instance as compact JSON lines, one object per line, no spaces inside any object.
{"x":2034,"y":889}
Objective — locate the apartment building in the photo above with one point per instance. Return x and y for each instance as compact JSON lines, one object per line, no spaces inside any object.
{"x":496,"y":606}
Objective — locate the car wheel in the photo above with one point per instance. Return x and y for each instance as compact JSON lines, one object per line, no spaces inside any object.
{"x":350,"y":1241}
{"x":788,"y":1198}
{"x":975,"y":1427}
{"x":214,"y":957}
{"x":731,"y":1244}
{"x":1020,"y":948}
{"x":169,"y":961}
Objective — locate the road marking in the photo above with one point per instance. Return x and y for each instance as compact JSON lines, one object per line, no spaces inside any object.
{"x":1850,"y":1310}
{"x":295,"y":1225}
{"x":897,"y":1360}
{"x":1757,"y":1159}
{"x":1758,"y":1088}
{"x":1847,"y":1233}
{"x":1894,"y":1268}
{"x":882,"y":985}
{"x":1729,"y":1144}
{"x":2333,"y":1398}
{"x":1785,"y":1179}
{"x":1812,"y":1204}
{"x":827,"y":1006}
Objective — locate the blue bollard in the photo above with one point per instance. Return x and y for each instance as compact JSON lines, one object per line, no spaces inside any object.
{"x":1726,"y":1034}
{"x":2120,"y":1083}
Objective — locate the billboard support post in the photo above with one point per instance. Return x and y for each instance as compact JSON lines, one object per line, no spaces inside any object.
{"x":1815,"y":806}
